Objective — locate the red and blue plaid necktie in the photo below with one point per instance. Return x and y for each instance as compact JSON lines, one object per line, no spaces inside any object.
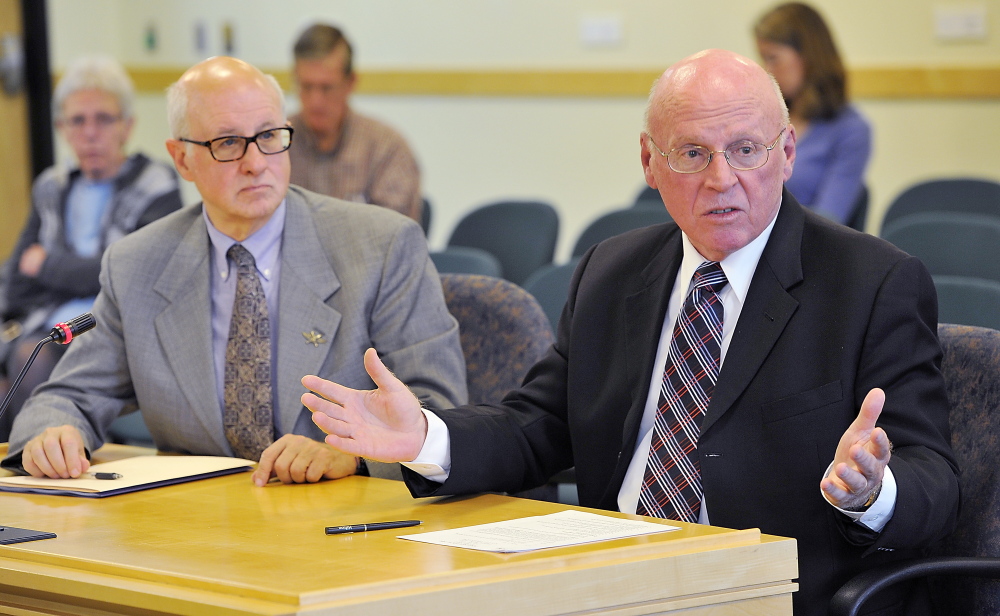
{"x":671,"y":485}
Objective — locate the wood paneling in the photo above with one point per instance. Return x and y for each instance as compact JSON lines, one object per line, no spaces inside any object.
{"x":15,"y":147}
{"x":954,"y":82}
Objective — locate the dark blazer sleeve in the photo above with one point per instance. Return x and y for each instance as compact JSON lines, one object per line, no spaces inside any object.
{"x":71,"y":274}
{"x":20,"y":291}
{"x":902,"y":355}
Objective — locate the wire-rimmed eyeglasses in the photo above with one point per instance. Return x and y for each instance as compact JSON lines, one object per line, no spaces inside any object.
{"x":233,"y":147}
{"x":742,"y":155}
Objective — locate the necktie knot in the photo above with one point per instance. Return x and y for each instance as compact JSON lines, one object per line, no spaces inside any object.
{"x":710,"y":277}
{"x":241,"y":256}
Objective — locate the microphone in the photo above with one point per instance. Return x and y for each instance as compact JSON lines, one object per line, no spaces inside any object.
{"x":63,"y":333}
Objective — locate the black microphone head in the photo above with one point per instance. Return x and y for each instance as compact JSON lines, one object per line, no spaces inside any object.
{"x":63,"y":333}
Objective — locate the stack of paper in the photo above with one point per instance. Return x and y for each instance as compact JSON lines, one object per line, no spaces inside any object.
{"x":138,"y":473}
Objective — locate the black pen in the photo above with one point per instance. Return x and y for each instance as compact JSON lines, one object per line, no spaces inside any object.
{"x":103,"y":475}
{"x":361,"y":528}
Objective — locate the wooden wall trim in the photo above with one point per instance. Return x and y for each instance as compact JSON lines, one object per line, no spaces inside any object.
{"x":898,"y":82}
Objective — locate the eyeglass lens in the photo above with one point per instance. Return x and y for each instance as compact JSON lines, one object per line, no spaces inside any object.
{"x":744,"y":156}
{"x":271,"y":141}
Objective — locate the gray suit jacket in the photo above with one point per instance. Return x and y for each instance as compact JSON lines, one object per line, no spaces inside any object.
{"x":358,"y":274}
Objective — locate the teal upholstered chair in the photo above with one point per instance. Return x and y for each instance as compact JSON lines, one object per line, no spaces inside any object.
{"x":520,"y":234}
{"x":966,"y":195}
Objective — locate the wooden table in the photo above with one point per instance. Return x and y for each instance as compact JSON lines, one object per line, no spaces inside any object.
{"x":222,"y":546}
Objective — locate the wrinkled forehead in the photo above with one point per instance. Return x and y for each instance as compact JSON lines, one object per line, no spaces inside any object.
{"x":233,"y":96}
{"x":91,"y":100}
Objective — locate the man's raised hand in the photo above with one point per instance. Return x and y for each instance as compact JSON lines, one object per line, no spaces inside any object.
{"x":861,"y":457}
{"x":384,"y":424}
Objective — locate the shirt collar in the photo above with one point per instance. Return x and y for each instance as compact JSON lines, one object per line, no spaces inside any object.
{"x":738,"y":267}
{"x":264,"y":244}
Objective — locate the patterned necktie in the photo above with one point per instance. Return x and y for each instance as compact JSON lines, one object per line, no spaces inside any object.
{"x":248,"y":416}
{"x":671,"y":485}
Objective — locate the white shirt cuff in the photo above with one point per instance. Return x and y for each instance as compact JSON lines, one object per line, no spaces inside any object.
{"x":434,"y":459}
{"x":879,"y":514}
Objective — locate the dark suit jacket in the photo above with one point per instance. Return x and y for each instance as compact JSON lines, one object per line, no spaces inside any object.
{"x":830,"y":314}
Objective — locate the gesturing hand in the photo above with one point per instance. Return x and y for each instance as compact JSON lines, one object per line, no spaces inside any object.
{"x":861,"y":458}
{"x":384,"y":424}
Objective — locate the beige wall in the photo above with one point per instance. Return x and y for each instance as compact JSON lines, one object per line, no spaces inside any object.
{"x":581,"y":153}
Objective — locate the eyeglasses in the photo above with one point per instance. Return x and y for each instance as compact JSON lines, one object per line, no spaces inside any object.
{"x":233,"y":147}
{"x":100,"y":120}
{"x":742,"y":155}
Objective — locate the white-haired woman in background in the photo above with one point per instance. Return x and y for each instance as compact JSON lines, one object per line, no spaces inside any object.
{"x":76,"y":211}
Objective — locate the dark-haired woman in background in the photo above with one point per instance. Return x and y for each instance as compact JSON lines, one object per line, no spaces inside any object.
{"x":834,"y":140}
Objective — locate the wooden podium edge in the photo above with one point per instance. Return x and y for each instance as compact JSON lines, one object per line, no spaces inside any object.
{"x":177,"y":594}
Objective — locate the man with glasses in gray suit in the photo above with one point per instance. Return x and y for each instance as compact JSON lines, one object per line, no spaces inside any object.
{"x":207,"y":320}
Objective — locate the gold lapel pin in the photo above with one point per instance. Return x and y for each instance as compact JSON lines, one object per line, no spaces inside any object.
{"x":314,"y":338}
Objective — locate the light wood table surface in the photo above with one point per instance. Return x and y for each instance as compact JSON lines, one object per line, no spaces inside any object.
{"x":223,"y":546}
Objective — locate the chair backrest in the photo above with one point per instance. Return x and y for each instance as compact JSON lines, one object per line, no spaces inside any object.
{"x":968,"y":301}
{"x":859,"y":211}
{"x":969,"y":195}
{"x":503,"y":332}
{"x":130,"y":429}
{"x":648,"y":197}
{"x":463,"y":260}
{"x":425,"y":217}
{"x":521,"y":234}
{"x":950,"y":243}
{"x":617,"y":222}
{"x":550,"y":286}
{"x":971,"y":368}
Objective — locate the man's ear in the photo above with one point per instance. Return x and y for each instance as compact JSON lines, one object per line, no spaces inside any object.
{"x":789,"y":148}
{"x":179,"y":153}
{"x":645,"y":154}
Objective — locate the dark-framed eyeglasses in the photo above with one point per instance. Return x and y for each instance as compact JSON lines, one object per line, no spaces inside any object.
{"x":233,"y":147}
{"x":742,"y":155}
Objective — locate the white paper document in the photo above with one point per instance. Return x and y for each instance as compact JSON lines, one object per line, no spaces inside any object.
{"x":555,"y":530}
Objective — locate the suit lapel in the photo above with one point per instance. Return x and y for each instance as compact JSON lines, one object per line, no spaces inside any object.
{"x":184,"y":326}
{"x":766,"y":312}
{"x":307,"y":282}
{"x":644,"y":313}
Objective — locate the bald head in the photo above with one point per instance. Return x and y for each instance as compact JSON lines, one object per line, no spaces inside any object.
{"x":210,"y":77}
{"x":713,"y":77}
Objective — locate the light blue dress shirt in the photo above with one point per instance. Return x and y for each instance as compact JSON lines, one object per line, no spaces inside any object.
{"x":86,"y":206}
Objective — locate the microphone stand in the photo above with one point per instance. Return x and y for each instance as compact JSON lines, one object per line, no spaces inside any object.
{"x":63,"y":333}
